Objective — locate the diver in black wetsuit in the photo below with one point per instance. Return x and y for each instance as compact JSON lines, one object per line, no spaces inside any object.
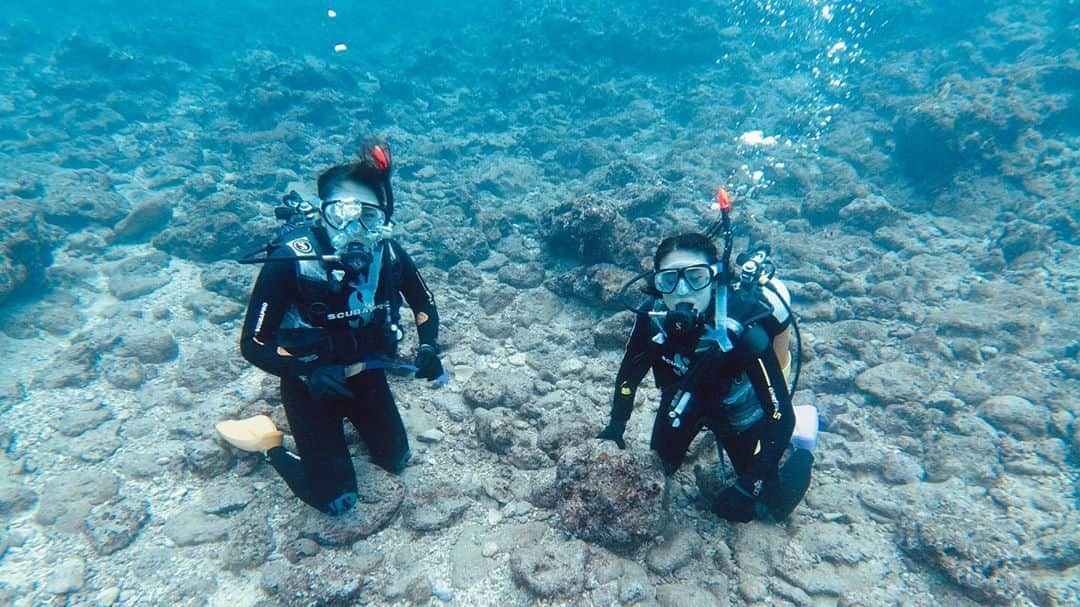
{"x":328,"y":327}
{"x":731,"y":381}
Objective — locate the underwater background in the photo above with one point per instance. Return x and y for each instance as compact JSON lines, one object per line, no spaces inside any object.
{"x":914,"y":164}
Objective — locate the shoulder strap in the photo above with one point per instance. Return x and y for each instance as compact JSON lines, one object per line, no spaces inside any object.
{"x":769,"y":384}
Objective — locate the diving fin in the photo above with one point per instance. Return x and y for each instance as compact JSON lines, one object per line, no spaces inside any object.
{"x":794,"y":480}
{"x":256,"y":434}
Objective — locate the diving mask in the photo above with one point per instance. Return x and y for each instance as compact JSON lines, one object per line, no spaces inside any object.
{"x":338,"y":214}
{"x":355,"y":226}
{"x":697,"y":277}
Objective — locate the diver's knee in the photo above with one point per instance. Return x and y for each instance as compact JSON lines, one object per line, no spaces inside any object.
{"x":341,"y":504}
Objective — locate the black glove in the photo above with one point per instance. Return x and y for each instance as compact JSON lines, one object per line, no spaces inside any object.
{"x":735,"y":504}
{"x":614,"y":432}
{"x":428,"y":365}
{"x":328,"y":381}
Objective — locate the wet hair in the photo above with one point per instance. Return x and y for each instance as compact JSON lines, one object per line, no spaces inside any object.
{"x":691,"y":241}
{"x":356,"y":172}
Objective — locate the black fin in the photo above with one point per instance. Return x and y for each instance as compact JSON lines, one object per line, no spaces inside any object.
{"x":792,"y":485}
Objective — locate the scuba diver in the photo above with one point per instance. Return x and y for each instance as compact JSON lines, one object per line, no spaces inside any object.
{"x":323,"y":316}
{"x":718,"y":344}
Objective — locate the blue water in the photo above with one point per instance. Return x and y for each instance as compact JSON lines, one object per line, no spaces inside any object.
{"x":913,"y":163}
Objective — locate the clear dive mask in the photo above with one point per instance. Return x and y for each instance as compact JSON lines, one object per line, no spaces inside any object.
{"x":354,"y":227}
{"x":338,"y":214}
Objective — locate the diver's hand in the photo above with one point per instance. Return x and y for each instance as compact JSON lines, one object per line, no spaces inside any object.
{"x":328,"y":381}
{"x":735,"y":504}
{"x":614,"y":432}
{"x":428,"y":365}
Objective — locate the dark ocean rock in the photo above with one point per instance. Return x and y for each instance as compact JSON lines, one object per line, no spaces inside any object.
{"x":148,"y":344}
{"x":901,"y":469}
{"x":679,"y":547}
{"x":896,"y":382}
{"x":551,"y":569}
{"x":565,"y":429}
{"x":208,"y":367}
{"x":869,"y":213}
{"x":59,"y":319}
{"x":213,"y":307}
{"x":1015,"y":415}
{"x":25,"y":247}
{"x":72,"y":366}
{"x":318,"y":581}
{"x":613,"y":332}
{"x":227,"y":498}
{"x":125,"y":373}
{"x":980,"y":558}
{"x":250,"y":543}
{"x":81,"y":417}
{"x":192,"y":527}
{"x":1004,"y":374}
{"x":989,"y":323}
{"x":221,"y":228}
{"x":227,"y":279}
{"x":680,"y":595}
{"x":495,"y":297}
{"x":76,"y":199}
{"x":597,"y":285}
{"x":144,"y":219}
{"x":15,"y":498}
{"x":487,"y":389}
{"x":583,"y":227}
{"x":500,"y":433}
{"x":1019,"y":237}
{"x":207,"y":458}
{"x":522,"y":276}
{"x":68,"y":498}
{"x":966,"y":449}
{"x":138,"y":276}
{"x":114,"y":525}
{"x":434,"y":506}
{"x":457,"y":245}
{"x":609,"y":496}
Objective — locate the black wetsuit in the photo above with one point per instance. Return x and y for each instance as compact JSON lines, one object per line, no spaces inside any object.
{"x":755,"y":429}
{"x":315,"y":311}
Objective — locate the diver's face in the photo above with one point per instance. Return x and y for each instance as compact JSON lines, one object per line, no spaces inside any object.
{"x":691,"y":289}
{"x":352,"y":216}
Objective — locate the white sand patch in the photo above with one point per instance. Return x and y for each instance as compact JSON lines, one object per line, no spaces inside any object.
{"x":758,"y":138}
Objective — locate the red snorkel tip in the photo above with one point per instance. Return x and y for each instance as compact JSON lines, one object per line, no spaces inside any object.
{"x":723,"y":200}
{"x":378,"y":155}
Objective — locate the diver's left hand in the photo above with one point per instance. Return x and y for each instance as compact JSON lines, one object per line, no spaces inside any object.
{"x":735,"y":505}
{"x":428,"y":365}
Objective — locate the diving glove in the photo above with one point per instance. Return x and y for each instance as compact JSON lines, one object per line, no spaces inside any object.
{"x":614,"y":432}
{"x":428,"y":365}
{"x":328,"y":381}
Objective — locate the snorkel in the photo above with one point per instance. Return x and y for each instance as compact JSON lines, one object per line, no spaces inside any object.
{"x":723,"y":226}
